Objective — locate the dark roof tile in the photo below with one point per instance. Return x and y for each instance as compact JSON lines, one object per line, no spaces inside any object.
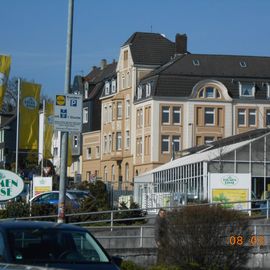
{"x":150,"y":48}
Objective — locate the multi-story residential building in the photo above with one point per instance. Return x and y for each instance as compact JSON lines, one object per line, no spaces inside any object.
{"x":197,"y":99}
{"x":163,"y":99}
{"x":94,"y":83}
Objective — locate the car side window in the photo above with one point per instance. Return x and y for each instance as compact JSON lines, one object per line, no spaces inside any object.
{"x":2,"y":247}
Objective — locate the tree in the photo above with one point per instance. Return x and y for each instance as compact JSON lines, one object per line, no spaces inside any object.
{"x":201,"y":235}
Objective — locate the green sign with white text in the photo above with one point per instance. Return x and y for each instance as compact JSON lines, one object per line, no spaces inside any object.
{"x":11,"y":185}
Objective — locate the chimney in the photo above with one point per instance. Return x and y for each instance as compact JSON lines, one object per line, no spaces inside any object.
{"x":103,"y":64}
{"x":180,"y":44}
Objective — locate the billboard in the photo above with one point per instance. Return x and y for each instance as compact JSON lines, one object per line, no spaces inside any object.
{"x":41,"y":185}
{"x":226,"y":188}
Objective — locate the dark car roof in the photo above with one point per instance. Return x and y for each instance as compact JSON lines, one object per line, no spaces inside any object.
{"x":20,"y":224}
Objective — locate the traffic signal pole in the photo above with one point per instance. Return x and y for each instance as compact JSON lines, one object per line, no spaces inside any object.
{"x":64,"y":135}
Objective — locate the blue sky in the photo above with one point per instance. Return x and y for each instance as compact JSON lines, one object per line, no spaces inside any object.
{"x":34,"y":31}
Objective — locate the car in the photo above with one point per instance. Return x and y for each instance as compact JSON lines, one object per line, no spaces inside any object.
{"x":73,"y":197}
{"x":56,"y":245}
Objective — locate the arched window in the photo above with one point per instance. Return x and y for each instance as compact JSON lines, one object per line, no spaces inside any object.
{"x":209,"y":92}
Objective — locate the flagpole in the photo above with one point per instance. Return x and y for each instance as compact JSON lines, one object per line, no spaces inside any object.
{"x":43,"y":138}
{"x":18,"y":121}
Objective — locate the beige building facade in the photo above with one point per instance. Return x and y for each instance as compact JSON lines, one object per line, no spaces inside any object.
{"x":163,"y":100}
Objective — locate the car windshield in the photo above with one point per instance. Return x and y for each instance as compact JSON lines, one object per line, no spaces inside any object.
{"x":79,"y":195}
{"x":54,"y":246}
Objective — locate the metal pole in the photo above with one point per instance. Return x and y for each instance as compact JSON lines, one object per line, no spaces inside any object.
{"x":64,"y":135}
{"x":18,"y":121}
{"x":43,"y":138}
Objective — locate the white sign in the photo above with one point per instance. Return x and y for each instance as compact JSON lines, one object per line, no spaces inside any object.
{"x":225,"y":187}
{"x":68,"y":113}
{"x":41,"y":185}
{"x":11,"y":185}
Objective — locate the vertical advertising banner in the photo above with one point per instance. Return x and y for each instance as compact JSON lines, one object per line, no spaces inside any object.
{"x":228,"y":188}
{"x":5,"y":61}
{"x":48,"y":134}
{"x":29,"y":115}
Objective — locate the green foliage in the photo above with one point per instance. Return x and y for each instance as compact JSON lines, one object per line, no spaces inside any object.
{"x":165,"y":267}
{"x":197,"y":235}
{"x":129,"y":265}
{"x":100,"y":199}
{"x":43,"y":210}
{"x":130,"y":214}
{"x":17,"y":209}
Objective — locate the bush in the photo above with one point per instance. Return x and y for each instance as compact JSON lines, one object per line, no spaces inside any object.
{"x":165,"y":267}
{"x":129,"y":265}
{"x":198,"y":236}
{"x":130,"y":214}
{"x":17,"y":209}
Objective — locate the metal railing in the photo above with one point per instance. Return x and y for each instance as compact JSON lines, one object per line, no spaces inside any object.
{"x":113,"y":217}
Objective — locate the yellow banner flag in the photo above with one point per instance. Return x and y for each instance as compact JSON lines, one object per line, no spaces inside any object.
{"x":48,"y":133}
{"x":5,"y":61}
{"x":29,"y":115}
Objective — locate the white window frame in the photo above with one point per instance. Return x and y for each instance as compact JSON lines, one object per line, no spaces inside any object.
{"x":213,"y":89}
{"x":176,"y":139}
{"x":267,"y":114}
{"x":118,"y":141}
{"x":88,"y":153}
{"x":127,"y":108}
{"x":165,"y":111}
{"x":119,"y":108}
{"x":85,"y":115}
{"x":105,"y":144}
{"x":209,"y":111}
{"x":241,"y":111}
{"x":107,"y":88}
{"x":110,"y":113}
{"x":127,"y":141}
{"x":86,"y":89}
{"x":97,"y":151}
{"x":123,"y":81}
{"x":244,"y":85}
{"x":139,"y":92}
{"x":166,"y":140}
{"x":252,"y":113}
{"x":113,"y":86}
{"x":148,"y":89}
{"x":207,"y":140}
{"x":178,"y":112}
{"x":110,"y":143}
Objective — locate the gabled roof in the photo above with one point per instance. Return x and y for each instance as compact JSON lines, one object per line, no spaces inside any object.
{"x":97,"y":74}
{"x":150,"y":48}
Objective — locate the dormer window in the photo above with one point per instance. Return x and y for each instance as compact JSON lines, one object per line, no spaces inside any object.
{"x":243,"y":64}
{"x":267,"y":87}
{"x":196,"y":62}
{"x":107,"y":88}
{"x":86,"y":88}
{"x":113,"y":86}
{"x":209,"y":92}
{"x":139,"y":92}
{"x":247,"y":89}
{"x":148,"y":89}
